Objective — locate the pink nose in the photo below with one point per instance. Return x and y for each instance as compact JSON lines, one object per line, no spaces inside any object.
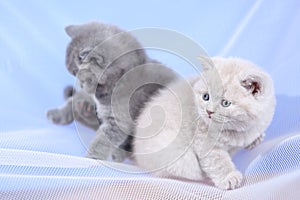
{"x":209,"y":112}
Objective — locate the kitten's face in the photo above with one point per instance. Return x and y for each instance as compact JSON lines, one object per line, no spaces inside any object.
{"x":100,"y":54}
{"x":79,"y":54}
{"x":78,"y":62}
{"x":84,"y":57}
{"x":245,"y":97}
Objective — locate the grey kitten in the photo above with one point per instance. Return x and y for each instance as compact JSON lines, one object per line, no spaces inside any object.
{"x":111,"y":64}
{"x":79,"y":106}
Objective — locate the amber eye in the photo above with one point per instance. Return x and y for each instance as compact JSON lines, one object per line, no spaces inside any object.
{"x":205,"y":97}
{"x":225,"y":103}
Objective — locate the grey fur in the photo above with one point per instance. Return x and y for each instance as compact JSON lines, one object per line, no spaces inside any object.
{"x":111,"y":64}
{"x":79,"y":106}
{"x":69,"y":91}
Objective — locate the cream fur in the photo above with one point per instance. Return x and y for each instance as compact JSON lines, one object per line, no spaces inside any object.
{"x":175,"y":137}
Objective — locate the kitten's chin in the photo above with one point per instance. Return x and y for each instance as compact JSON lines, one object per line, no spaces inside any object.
{"x":211,"y":119}
{"x":208,"y":120}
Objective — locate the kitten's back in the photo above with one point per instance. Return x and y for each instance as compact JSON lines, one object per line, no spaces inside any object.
{"x":164,"y":128}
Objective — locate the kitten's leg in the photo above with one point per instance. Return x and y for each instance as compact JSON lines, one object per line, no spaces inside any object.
{"x":107,"y":141}
{"x":117,"y":138}
{"x":220,"y":169}
{"x":62,"y":115}
{"x":100,"y":148}
{"x":256,"y":142}
{"x":180,"y":168}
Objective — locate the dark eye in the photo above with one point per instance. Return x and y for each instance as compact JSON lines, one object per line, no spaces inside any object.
{"x":82,"y":54}
{"x":225,"y":103}
{"x":205,"y":97}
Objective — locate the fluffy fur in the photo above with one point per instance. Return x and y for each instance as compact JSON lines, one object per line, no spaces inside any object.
{"x":191,"y":129}
{"x":79,"y":106}
{"x":110,"y":63}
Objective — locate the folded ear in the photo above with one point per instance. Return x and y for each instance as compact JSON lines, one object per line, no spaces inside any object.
{"x":206,"y":62}
{"x":99,"y":60}
{"x":254,"y":84}
{"x":72,"y":30}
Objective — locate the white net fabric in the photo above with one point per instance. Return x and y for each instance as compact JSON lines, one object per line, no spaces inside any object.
{"x":273,"y":172}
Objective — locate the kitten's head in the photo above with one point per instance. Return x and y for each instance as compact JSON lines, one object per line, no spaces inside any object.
{"x":236,"y":93}
{"x":103,"y":50}
{"x":85,"y":38}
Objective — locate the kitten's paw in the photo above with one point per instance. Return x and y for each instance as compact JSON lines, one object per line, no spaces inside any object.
{"x":96,"y":156}
{"x":232,"y":181}
{"x":99,"y":154}
{"x":119,"y":155}
{"x":99,"y":150}
{"x":88,"y":80}
{"x":256,"y":142}
{"x":54,"y":116}
{"x":85,"y":108}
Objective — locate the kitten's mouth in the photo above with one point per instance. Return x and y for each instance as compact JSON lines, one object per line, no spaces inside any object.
{"x":216,"y":119}
{"x":212,"y":117}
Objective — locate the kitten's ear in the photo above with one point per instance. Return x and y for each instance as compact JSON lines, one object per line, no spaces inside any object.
{"x":206,"y":62}
{"x":99,"y":60}
{"x":254,"y":84}
{"x":72,"y":30}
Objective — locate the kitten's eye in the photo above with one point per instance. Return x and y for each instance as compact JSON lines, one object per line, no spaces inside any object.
{"x":225,"y":103}
{"x":83,"y":54}
{"x":205,"y":97}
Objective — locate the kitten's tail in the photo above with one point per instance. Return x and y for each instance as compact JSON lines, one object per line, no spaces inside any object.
{"x":69,"y":91}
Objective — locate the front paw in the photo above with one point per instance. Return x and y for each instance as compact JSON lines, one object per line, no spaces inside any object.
{"x":256,"y":142}
{"x":119,"y":155}
{"x":99,"y":154}
{"x":54,"y":116}
{"x":88,"y":81}
{"x":232,"y":181}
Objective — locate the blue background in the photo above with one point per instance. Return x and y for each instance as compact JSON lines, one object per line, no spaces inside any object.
{"x":33,"y":43}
